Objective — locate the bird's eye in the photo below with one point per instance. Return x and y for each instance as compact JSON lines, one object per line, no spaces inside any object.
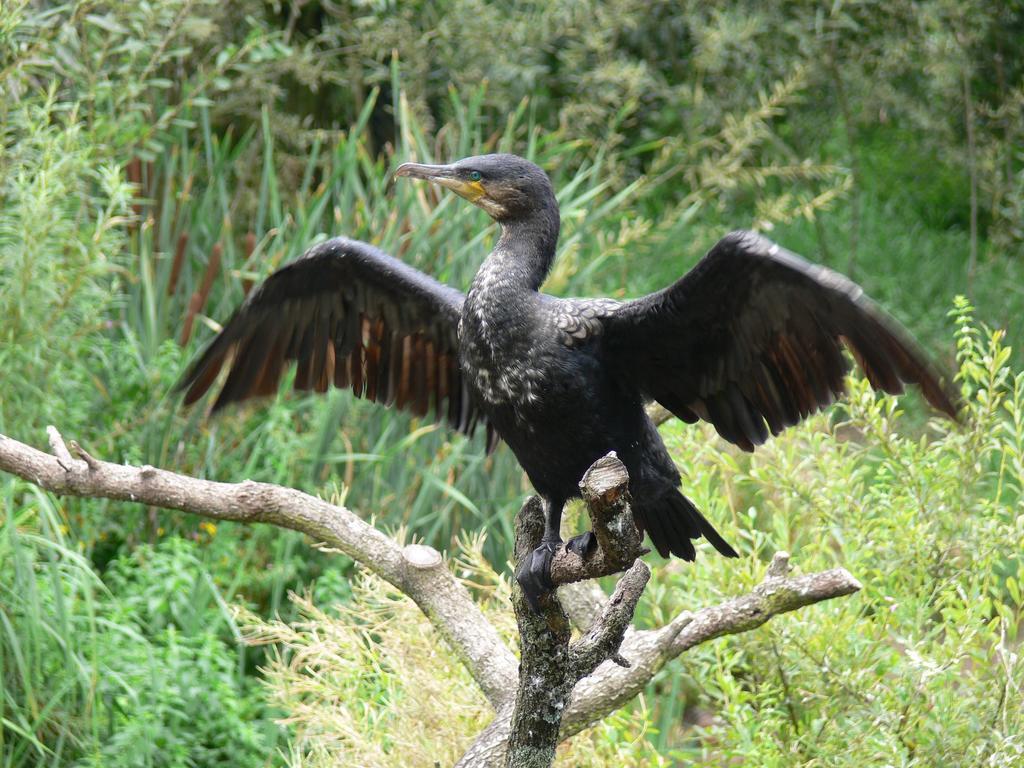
{"x":475,"y":176}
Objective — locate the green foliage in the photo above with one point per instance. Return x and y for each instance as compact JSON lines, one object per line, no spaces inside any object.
{"x":182,"y":695}
{"x":659,"y":79}
{"x":59,"y":243}
{"x":155,"y":157}
{"x":922,"y":667}
{"x":48,"y":615}
{"x":133,"y":669}
{"x":86,"y":86}
{"x":919,"y":669}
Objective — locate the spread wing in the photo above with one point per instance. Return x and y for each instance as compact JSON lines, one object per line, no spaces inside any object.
{"x":751,"y":341}
{"x":346,"y":314}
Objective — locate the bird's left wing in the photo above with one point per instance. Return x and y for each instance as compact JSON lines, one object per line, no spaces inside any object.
{"x":751,"y":341}
{"x":347,"y":314}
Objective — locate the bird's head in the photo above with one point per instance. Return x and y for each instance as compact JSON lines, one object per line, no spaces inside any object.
{"x":506,"y":186}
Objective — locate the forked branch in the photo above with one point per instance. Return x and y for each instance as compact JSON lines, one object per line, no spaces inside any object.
{"x":564,"y":686}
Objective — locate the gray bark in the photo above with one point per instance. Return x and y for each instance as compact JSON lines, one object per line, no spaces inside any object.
{"x":550,"y":666}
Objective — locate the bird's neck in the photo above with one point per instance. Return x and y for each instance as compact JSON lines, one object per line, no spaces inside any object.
{"x":525,"y":251}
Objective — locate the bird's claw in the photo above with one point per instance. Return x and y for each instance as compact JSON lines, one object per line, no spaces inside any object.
{"x":583,"y":544}
{"x":534,"y":573}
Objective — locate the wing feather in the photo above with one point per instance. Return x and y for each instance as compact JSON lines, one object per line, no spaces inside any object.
{"x":757,"y":335}
{"x":345,"y":314}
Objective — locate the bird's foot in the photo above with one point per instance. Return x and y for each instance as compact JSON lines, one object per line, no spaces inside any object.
{"x":534,"y":573}
{"x":583,"y":544}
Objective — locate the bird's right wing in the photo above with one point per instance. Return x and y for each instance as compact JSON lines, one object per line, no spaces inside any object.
{"x":751,"y":340}
{"x":347,"y":314}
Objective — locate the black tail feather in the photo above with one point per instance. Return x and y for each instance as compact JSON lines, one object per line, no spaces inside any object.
{"x":672,"y":521}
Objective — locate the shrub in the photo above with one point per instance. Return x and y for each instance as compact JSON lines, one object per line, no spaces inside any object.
{"x":919,"y":669}
{"x":143,"y":674}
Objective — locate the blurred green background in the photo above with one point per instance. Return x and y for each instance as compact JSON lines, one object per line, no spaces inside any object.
{"x":158,"y":157}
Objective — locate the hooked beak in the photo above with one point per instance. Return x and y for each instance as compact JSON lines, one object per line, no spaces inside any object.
{"x":444,"y":175}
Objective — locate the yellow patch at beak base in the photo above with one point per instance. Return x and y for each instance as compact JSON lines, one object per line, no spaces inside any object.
{"x":471,"y":190}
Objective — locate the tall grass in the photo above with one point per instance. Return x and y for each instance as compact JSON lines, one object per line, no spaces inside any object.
{"x":94,"y":679}
{"x":48,"y":619}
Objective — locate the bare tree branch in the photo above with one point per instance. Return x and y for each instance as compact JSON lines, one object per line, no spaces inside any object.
{"x":602,"y":640}
{"x":583,"y":601}
{"x":490,"y":747}
{"x":611,"y":686}
{"x":618,"y":542}
{"x":59,"y":449}
{"x":414,"y":570}
{"x":544,"y":681}
{"x":607,"y":667}
{"x":549,"y":666}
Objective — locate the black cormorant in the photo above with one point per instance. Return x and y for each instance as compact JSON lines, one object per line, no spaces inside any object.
{"x":749,"y":340}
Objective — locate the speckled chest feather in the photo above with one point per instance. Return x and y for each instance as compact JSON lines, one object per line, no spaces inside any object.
{"x":513,"y":340}
{"x":496,"y":352}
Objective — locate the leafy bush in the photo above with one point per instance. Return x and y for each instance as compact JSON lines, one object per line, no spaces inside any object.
{"x":88,"y":88}
{"x":919,"y":669}
{"x":136,"y":670}
{"x":922,"y":667}
{"x":659,"y":79}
